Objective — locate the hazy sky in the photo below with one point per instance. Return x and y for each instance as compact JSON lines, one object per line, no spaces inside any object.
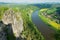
{"x":29,"y":1}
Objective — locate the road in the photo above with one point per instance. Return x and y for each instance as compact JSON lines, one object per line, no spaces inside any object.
{"x":45,"y":30}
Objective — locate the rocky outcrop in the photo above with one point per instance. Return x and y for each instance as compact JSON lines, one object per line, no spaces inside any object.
{"x":2,"y":31}
{"x":15,"y":19}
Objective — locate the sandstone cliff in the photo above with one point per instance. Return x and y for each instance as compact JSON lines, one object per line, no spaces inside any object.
{"x":15,"y":19}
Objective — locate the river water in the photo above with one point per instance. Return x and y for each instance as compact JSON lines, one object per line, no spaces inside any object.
{"x":45,"y":30}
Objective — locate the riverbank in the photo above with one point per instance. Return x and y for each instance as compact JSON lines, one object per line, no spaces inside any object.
{"x":30,"y":30}
{"x":45,"y":30}
{"x":53,"y":25}
{"x":46,"y":20}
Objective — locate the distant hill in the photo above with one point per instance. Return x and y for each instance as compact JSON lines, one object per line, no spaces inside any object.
{"x":40,"y":5}
{"x":47,"y":5}
{"x":6,"y":3}
{"x":3,"y":3}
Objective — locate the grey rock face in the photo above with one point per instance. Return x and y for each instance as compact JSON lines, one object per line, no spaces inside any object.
{"x":2,"y":32}
{"x":14,"y":18}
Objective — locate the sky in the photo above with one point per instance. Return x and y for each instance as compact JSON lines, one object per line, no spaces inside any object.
{"x":28,"y":1}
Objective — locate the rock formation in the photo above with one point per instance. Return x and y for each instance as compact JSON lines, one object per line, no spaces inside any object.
{"x":15,"y":19}
{"x":2,"y":31}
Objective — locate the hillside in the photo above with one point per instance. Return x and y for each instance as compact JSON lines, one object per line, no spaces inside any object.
{"x":18,"y":24}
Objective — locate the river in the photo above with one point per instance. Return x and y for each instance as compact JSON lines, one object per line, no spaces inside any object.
{"x":45,"y":30}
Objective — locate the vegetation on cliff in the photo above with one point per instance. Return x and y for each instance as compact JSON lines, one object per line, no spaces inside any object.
{"x":30,"y":32}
